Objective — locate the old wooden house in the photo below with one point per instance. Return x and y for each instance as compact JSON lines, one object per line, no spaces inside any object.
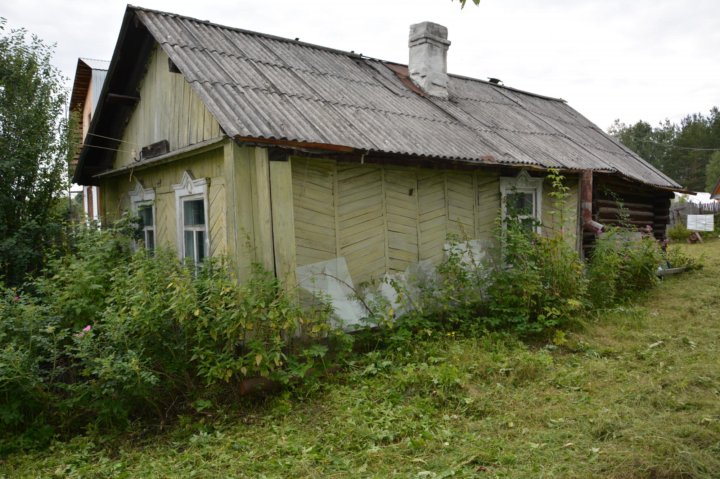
{"x":307,"y":159}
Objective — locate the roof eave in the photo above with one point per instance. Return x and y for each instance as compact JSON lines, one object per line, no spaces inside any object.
{"x":81,"y":176}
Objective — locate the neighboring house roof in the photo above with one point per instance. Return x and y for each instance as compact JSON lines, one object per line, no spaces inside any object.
{"x":715,"y":193}
{"x":88,"y":70}
{"x":264,"y":88}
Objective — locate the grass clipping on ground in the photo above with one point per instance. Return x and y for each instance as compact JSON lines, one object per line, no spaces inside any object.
{"x":633,"y":392}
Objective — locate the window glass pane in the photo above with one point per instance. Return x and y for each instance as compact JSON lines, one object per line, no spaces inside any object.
{"x":149,"y":239}
{"x":200,"y":238}
{"x":519,"y":204}
{"x":193,"y":213}
{"x":189,"y":245}
{"x":528,"y":224}
{"x":146,"y":215}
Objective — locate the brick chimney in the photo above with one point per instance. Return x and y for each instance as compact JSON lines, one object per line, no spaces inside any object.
{"x":428,"y":58}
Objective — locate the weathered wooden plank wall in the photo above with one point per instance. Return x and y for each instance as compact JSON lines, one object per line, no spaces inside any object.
{"x":432,"y":214}
{"x":384,"y":218}
{"x":205,"y":165}
{"x":361,"y":224}
{"x":619,"y":202}
{"x":314,"y":208}
{"x":168,"y":110}
{"x":401,"y":206}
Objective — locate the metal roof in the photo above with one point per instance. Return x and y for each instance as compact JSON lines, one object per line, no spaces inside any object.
{"x":266,"y":87}
{"x":96,"y":64}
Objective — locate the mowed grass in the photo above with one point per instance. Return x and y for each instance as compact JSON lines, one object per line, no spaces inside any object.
{"x":632,"y":392}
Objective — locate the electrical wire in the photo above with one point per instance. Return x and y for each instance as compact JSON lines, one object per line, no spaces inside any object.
{"x":105,"y":148}
{"x":113,"y":139}
{"x":665,"y":145}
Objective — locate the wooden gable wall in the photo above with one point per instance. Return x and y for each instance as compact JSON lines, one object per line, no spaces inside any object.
{"x":168,"y":110}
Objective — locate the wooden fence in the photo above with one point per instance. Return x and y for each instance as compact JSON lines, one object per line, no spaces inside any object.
{"x":679,"y":211}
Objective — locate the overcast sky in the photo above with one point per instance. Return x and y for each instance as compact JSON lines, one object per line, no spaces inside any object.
{"x":625,"y":59}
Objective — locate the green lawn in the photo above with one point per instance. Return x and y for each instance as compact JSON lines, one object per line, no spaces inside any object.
{"x":631,"y":393}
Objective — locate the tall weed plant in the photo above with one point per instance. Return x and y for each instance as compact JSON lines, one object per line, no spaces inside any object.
{"x":620,"y":266}
{"x":109,"y":336}
{"x":528,"y":282}
{"x":536,"y":282}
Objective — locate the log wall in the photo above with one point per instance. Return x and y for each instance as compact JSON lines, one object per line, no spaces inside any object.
{"x":622,"y":203}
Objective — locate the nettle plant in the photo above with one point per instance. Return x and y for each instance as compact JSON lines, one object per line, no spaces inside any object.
{"x":537,"y":282}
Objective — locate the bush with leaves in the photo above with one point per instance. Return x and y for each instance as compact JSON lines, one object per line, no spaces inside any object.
{"x":538,"y":284}
{"x":526,"y":282}
{"x":255,"y":328}
{"x":678,"y":233}
{"x":677,"y":258}
{"x":31,"y":363}
{"x":111,"y":337}
{"x":33,"y":153}
{"x":622,"y":265}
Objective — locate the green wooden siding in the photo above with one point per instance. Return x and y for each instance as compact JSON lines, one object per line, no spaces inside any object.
{"x":168,"y":110}
{"x":385,"y":218}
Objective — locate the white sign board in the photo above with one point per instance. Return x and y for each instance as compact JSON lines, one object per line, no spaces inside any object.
{"x":700,"y":222}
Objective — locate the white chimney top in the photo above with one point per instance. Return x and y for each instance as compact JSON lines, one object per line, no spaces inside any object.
{"x":428,"y":58}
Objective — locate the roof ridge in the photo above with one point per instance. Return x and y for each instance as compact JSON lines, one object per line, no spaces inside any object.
{"x":94,"y":59}
{"x":250,"y":32}
{"x":329,"y":49}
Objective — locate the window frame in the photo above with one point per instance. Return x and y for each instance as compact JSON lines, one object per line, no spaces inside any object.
{"x":191,"y":189}
{"x":148,"y":229}
{"x":523,"y":183}
{"x":141,"y":197}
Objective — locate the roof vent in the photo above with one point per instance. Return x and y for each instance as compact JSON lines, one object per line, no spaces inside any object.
{"x":428,"y":58}
{"x":495,"y":81}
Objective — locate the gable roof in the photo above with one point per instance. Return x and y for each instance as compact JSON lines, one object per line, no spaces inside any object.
{"x":87,"y":70}
{"x":266,"y":89}
{"x":715,"y":193}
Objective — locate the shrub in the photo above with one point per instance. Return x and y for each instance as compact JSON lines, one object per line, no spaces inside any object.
{"x":148,"y":338}
{"x":526,"y":283}
{"x":539,"y":284}
{"x":255,"y":329}
{"x":30,"y":362}
{"x":677,"y":258}
{"x":621,"y":266}
{"x":678,"y":233}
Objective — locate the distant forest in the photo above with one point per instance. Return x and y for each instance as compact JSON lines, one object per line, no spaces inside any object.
{"x":689,"y":152}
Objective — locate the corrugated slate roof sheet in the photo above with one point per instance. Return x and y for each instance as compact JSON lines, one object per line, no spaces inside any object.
{"x":265,"y":87}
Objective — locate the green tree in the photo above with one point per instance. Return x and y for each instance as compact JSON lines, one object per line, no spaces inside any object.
{"x":33,"y":152}
{"x":648,"y":142}
{"x":680,"y":151}
{"x":712,"y":172}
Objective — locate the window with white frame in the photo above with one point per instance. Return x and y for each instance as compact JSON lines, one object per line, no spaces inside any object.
{"x":522,"y":200}
{"x":142,"y":202}
{"x":192,"y":214}
{"x":147,"y":224}
{"x":194,"y":229}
